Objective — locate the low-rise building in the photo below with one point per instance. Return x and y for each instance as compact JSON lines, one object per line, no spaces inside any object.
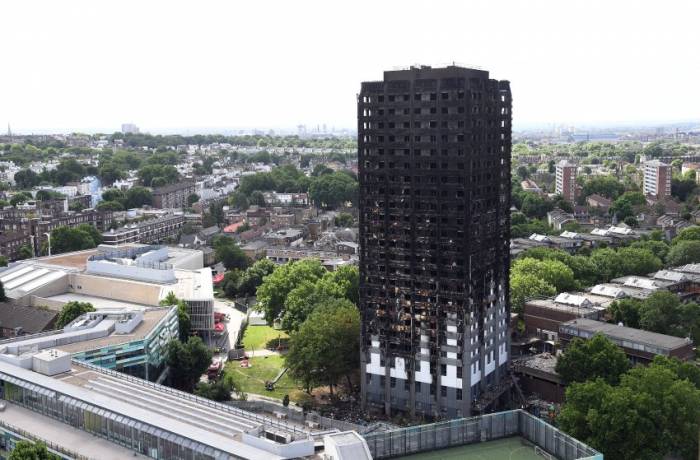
{"x":173,"y":196}
{"x":640,"y":346}
{"x":147,"y":231}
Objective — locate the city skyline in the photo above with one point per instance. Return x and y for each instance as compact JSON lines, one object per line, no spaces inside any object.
{"x":178,"y":68}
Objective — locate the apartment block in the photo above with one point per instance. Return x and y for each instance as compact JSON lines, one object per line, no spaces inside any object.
{"x":434,"y":170}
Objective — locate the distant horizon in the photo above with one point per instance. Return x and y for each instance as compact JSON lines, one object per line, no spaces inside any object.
{"x":291,"y":130}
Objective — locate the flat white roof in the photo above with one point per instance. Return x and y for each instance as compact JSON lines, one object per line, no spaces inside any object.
{"x":62,"y":434}
{"x":148,"y":417}
{"x":100,"y":303}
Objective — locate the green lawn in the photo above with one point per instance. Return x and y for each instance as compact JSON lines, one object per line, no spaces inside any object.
{"x":258,"y":337}
{"x":252,"y":379}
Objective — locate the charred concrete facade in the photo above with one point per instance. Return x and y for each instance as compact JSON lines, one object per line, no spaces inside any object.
{"x":434,"y":168}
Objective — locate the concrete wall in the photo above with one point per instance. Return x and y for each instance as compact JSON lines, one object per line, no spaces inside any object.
{"x":117,"y":289}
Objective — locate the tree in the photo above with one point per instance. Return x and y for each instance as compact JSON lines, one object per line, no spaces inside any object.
{"x":192,"y":199}
{"x":553,"y":272}
{"x":187,"y":362}
{"x":114,"y":194}
{"x":167,"y":174}
{"x":230,"y":254}
{"x":607,"y":186}
{"x":654,"y":413}
{"x":522,"y":172}
{"x":110,"y":173}
{"x":683,"y":252}
{"x":344,"y":219}
{"x":19,"y":198}
{"x":333,"y":190}
{"x":626,"y":311}
{"x":303,"y":299}
{"x":238,"y":200}
{"x":320,"y":170}
{"x":219,"y":390}
{"x":590,"y":359}
{"x":688,"y":234}
{"x":534,"y":205}
{"x":273,"y":291}
{"x":250,"y":279}
{"x":638,"y":261}
{"x":658,"y":248}
{"x":137,"y":196}
{"x":71,"y":311}
{"x":26,"y":179}
{"x":66,"y":239}
{"x":26,"y":252}
{"x":257,"y":199}
{"x":27,"y":450}
{"x":184,"y":322}
{"x":112,"y":206}
{"x":526,"y":286}
{"x":324,"y":349}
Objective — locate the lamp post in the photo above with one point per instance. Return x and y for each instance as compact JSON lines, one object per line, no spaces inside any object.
{"x":48,"y":236}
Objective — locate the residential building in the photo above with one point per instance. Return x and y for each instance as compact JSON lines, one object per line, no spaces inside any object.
{"x":566,"y":180}
{"x":173,"y":196}
{"x":598,"y":201}
{"x":557,"y":218}
{"x":657,"y":179}
{"x":640,"y":346}
{"x":12,"y":242}
{"x":434,"y":172}
{"x":147,"y":231}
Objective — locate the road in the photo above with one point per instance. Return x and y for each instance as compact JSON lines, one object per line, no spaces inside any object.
{"x":233,"y":325}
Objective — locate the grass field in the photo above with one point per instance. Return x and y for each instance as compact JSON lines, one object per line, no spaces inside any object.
{"x":258,"y":337}
{"x":502,"y":449}
{"x":252,"y":379}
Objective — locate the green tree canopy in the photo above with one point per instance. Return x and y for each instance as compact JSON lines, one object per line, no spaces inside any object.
{"x":526,"y":286}
{"x":551,"y":271}
{"x":72,"y":310}
{"x":589,"y":359}
{"x":187,"y":362}
{"x":66,"y":239}
{"x":230,"y":254}
{"x":27,"y":450}
{"x":333,"y":190}
{"x":273,"y":291}
{"x":654,"y":412}
{"x":683,"y":252}
{"x":324,"y":349}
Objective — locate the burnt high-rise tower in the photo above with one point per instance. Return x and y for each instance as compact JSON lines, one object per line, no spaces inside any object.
{"x":434,"y":168}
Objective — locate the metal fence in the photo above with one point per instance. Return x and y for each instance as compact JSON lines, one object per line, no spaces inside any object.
{"x":453,"y":433}
{"x":267,"y":422}
{"x":297,"y":415}
{"x":33,"y":438}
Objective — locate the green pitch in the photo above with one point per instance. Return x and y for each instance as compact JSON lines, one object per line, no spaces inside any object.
{"x":502,"y":449}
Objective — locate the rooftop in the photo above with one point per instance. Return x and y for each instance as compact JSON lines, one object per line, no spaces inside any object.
{"x":630,"y":334}
{"x":62,"y":434}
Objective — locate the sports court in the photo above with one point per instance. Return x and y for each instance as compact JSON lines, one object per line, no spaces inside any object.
{"x":514,"y":448}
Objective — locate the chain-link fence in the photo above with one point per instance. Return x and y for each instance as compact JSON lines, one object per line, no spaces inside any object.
{"x":406,"y":441}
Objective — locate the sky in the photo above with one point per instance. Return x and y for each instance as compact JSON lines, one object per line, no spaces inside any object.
{"x":202,"y":66}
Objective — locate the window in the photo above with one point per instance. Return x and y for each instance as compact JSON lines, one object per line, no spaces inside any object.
{"x":459,"y":372}
{"x":443,"y":369}
{"x":392,"y":382}
{"x":459,"y":394}
{"x":443,"y":391}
